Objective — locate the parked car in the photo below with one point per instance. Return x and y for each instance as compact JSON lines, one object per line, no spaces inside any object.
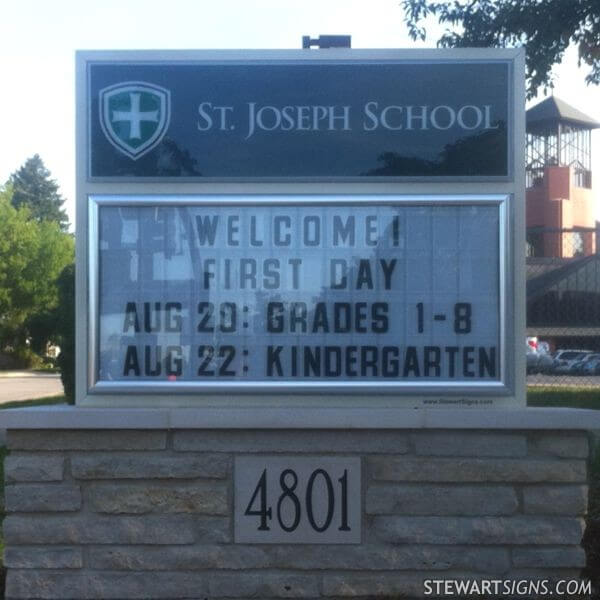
{"x":539,"y":359}
{"x":545,"y":358}
{"x":592,"y":367}
{"x":532,"y":358}
{"x":564,"y":360}
{"x":578,"y":367}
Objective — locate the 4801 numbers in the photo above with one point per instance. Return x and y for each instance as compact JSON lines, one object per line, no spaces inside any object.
{"x":292,"y":505}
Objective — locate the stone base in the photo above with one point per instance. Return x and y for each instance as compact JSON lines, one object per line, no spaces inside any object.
{"x":149,"y":513}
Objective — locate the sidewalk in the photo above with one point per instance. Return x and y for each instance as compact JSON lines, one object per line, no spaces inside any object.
{"x":16,"y":386}
{"x":27,"y":374}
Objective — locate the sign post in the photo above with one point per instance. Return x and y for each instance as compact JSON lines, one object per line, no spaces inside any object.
{"x":330,"y":229}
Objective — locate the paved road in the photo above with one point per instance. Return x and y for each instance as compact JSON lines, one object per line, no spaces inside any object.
{"x":29,"y":386}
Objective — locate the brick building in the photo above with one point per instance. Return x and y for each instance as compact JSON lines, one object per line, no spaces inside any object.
{"x":559,"y":180}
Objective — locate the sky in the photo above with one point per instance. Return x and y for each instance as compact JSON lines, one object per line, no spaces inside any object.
{"x":39,"y":39}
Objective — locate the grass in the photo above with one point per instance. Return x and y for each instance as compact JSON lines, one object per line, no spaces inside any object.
{"x":36,"y":402}
{"x":566,"y":396}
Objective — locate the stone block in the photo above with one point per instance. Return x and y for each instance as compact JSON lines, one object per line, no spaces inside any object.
{"x":19,"y":557}
{"x":142,"y":586}
{"x":263,"y":585}
{"x":558,"y":557}
{"x":300,"y":557}
{"x":432,"y":499}
{"x":560,"y":444}
{"x":123,"y":439}
{"x":292,"y":441}
{"x":369,"y":557}
{"x":518,"y":530}
{"x":45,"y":585}
{"x":376,"y":585}
{"x":96,"y":585}
{"x":42,"y":498}
{"x":160,"y":585}
{"x":458,"y":470}
{"x":555,"y":499}
{"x":212,"y":530}
{"x":79,"y":529}
{"x":33,"y":468}
{"x":179,"y":558}
{"x":470,"y":443}
{"x":149,"y":466}
{"x":203,"y":497}
{"x":551,"y":576}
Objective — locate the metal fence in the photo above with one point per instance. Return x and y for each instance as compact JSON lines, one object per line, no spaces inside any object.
{"x":563,"y":306}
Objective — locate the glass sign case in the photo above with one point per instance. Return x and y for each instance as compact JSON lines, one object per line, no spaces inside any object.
{"x":271,"y":293}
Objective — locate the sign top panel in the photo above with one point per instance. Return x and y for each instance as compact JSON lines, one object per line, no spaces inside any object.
{"x":301,"y":119}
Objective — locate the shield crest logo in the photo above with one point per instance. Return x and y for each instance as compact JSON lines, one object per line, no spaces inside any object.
{"x":134,"y":116}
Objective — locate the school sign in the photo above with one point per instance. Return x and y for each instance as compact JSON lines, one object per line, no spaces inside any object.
{"x":328,"y":228}
{"x":280,"y":256}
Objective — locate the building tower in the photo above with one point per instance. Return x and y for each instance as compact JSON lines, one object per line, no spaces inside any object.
{"x":560,"y":209}
{"x":563,"y":250}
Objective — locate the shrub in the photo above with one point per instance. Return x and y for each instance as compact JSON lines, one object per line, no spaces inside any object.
{"x":26,"y":358}
{"x":65,"y":325}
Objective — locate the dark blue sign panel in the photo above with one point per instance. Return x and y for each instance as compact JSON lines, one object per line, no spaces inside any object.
{"x":300,"y":120}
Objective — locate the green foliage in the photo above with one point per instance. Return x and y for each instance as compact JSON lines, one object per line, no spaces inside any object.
{"x":567,"y":396}
{"x":547,"y":27}
{"x":64,"y":315}
{"x":33,"y":188}
{"x":41,"y":328}
{"x":25,"y":358}
{"x":32,"y":255}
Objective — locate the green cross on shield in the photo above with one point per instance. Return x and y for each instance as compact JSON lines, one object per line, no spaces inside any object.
{"x":134,"y":116}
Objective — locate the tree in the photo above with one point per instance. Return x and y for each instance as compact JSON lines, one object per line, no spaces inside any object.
{"x":32,"y":255}
{"x":32,"y":187}
{"x":547,"y":27}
